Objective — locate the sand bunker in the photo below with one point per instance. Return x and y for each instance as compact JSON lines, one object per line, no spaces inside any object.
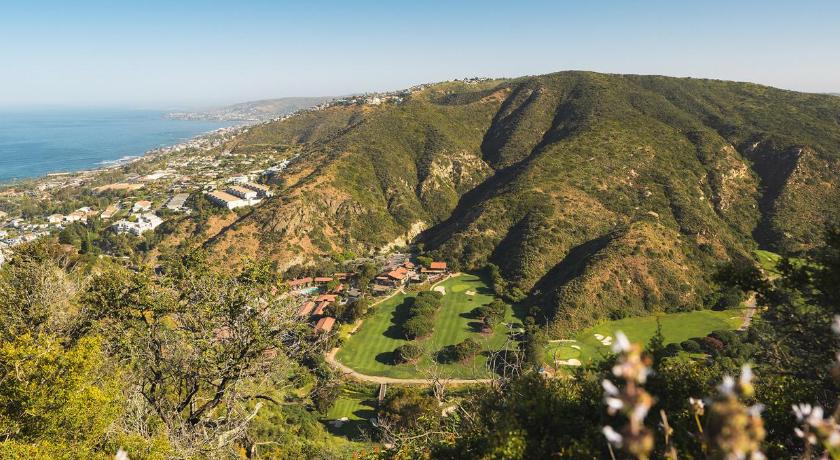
{"x":440,"y":289}
{"x":470,"y":293}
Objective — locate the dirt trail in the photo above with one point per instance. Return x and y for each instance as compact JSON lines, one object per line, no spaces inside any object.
{"x":750,"y":305}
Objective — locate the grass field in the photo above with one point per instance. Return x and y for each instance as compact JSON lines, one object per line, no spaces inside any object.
{"x":357,"y":406}
{"x":676,"y":327}
{"x":369,"y":350}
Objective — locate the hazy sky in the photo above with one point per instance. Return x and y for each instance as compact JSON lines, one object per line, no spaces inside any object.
{"x":174,"y":53}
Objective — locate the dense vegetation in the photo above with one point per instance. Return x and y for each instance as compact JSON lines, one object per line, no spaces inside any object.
{"x":603,"y":196}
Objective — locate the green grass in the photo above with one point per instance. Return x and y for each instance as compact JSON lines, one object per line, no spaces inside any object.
{"x":358,"y":406}
{"x":768,"y":260}
{"x":676,"y":327}
{"x":369,"y":350}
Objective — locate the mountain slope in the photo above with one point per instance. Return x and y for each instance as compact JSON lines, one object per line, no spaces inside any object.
{"x":603,"y":195}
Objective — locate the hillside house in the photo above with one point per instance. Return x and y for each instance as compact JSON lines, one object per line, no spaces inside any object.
{"x":110,"y":211}
{"x":306,"y":309}
{"x":324,"y":324}
{"x":323,"y":279}
{"x":144,"y":223}
{"x":142,"y":206}
{"x":299,"y":283}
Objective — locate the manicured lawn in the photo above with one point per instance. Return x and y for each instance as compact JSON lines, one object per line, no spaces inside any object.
{"x":369,"y":350}
{"x":676,"y":327}
{"x":358,"y":407}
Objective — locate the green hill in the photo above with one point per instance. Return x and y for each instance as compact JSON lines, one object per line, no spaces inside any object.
{"x":605,"y":196}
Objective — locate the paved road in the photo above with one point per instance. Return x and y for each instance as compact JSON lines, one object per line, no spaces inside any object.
{"x":348,"y":372}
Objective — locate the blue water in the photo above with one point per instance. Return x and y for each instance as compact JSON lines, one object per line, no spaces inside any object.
{"x":37,"y":142}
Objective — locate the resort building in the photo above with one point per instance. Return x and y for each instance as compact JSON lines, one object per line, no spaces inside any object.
{"x":226,"y":200}
{"x":144,"y":223}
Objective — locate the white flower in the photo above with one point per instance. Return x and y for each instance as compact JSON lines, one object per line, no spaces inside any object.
{"x":121,"y":455}
{"x":698,"y":403}
{"x":622,"y":343}
{"x":609,"y":387}
{"x":835,"y":325}
{"x":612,"y":436}
{"x":757,"y":455}
{"x":816,"y":417}
{"x":801,"y":411}
{"x":640,"y":412}
{"x":746,"y":375}
{"x":727,"y":387}
{"x":834,"y":438}
{"x":755,"y":410}
{"x":614,"y":404}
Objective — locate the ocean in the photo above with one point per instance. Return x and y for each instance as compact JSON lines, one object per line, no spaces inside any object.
{"x":37,"y":142}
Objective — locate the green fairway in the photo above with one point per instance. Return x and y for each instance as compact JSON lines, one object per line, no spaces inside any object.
{"x":353,"y":410}
{"x":676,"y":327}
{"x":369,"y":350}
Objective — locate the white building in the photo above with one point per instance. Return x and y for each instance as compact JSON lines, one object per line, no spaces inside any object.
{"x":144,"y":223}
{"x":242,"y":192}
{"x":176,"y":203}
{"x":226,"y":200}
{"x":262,"y":190}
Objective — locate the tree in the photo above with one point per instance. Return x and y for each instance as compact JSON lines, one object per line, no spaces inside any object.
{"x":198,"y":347}
{"x":418,"y":326}
{"x":459,"y":352}
{"x":407,"y":353}
{"x":58,"y":399}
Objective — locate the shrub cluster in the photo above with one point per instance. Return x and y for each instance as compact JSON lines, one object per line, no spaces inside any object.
{"x":407,"y":353}
{"x":459,"y":352}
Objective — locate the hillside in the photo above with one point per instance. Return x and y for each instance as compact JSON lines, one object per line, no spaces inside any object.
{"x":604,"y":195}
{"x":261,"y":110}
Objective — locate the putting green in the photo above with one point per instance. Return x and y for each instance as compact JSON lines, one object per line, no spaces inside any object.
{"x":370,"y":350}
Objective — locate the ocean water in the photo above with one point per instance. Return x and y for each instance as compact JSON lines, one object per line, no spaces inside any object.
{"x":36,"y":142}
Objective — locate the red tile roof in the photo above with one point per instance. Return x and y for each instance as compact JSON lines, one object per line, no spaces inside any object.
{"x":437,"y":265}
{"x":299,"y":281}
{"x":306,"y":309}
{"x":323,"y":279}
{"x":396,"y":275}
{"x":321,"y":308}
{"x":326,"y":298}
{"x":325,"y":324}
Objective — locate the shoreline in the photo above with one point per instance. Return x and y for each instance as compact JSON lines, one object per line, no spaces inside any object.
{"x":109,"y":165}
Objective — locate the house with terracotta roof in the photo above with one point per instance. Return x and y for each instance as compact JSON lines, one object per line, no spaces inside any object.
{"x":434,"y":268}
{"x":306,"y":309}
{"x":325,"y":324}
{"x":323,"y":279}
{"x":322,"y":308}
{"x":299,"y":283}
{"x":326,"y":298}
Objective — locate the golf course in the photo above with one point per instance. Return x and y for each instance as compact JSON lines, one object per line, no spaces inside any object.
{"x":370,"y":349}
{"x":595,"y":342}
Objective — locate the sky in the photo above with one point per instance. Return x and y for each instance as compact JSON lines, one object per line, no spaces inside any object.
{"x":189,"y":53}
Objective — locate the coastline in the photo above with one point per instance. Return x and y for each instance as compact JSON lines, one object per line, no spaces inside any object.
{"x":109,"y":165}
